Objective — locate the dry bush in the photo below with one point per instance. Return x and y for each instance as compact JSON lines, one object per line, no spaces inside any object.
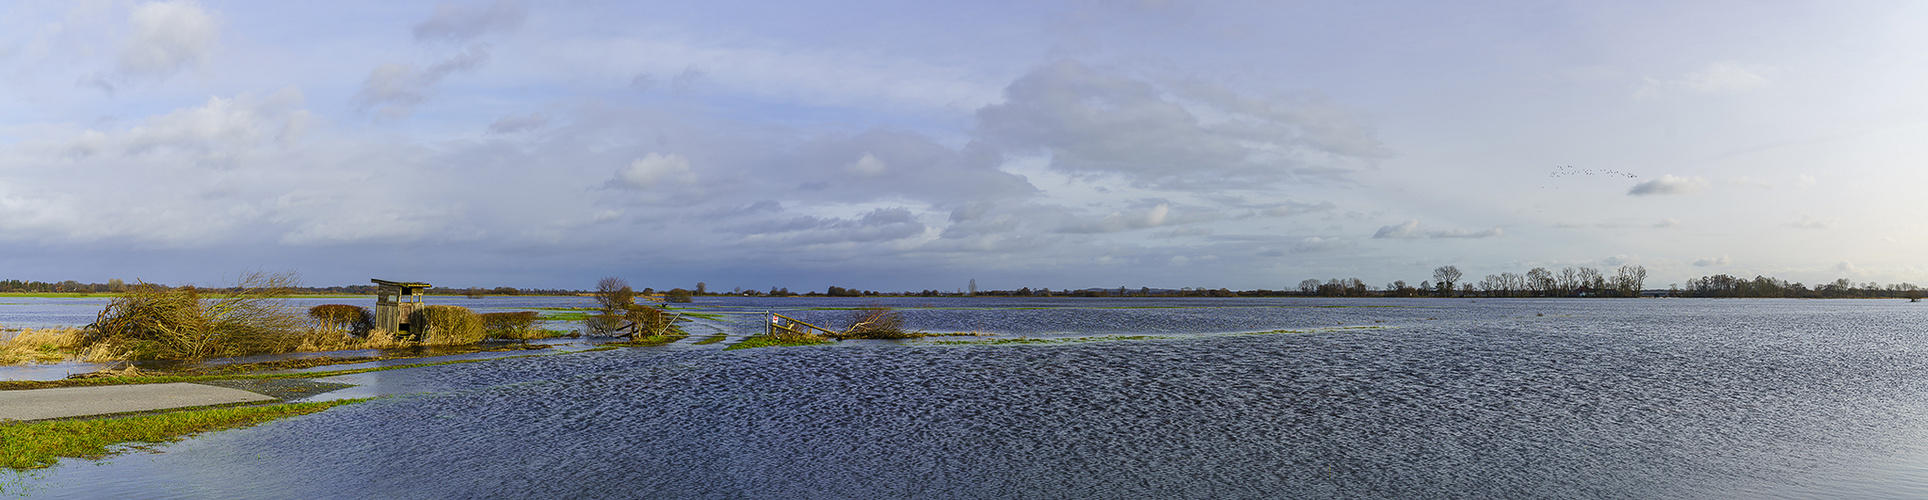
{"x":355,"y":320}
{"x":510,"y":325}
{"x":877,"y":322}
{"x":604,"y":325}
{"x":651,"y":321}
{"x":447,"y":325}
{"x":637,"y":322}
{"x":149,"y":321}
{"x":43,"y":345}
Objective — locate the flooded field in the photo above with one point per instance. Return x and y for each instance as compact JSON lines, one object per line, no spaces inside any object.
{"x":1656,"y":398}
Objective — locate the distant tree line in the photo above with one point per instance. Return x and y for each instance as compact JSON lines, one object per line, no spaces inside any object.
{"x":1721,"y":285}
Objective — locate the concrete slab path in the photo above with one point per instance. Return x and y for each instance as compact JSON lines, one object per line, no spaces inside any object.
{"x":41,"y":404}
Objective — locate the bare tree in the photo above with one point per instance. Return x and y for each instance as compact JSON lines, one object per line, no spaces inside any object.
{"x":1445,"y":276}
{"x":1630,"y":280}
{"x":1541,"y":280}
{"x":614,"y":295}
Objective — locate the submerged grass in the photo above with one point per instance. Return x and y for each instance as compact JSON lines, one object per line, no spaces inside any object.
{"x":1038,"y":341}
{"x":713,"y":339}
{"x":767,"y":341}
{"x":162,"y":379}
{"x":42,"y":444}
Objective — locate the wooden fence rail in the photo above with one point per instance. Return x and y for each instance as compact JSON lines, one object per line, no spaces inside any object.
{"x":781,"y":323}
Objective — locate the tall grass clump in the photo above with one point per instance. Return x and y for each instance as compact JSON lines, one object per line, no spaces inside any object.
{"x":42,"y":345}
{"x":149,"y":321}
{"x":877,"y":322}
{"x":447,"y":325}
{"x":355,"y":320}
{"x":510,"y":325}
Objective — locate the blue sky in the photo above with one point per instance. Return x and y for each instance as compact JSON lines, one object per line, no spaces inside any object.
{"x":905,"y":146}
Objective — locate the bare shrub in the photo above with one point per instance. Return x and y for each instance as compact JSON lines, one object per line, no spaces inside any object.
{"x":351,"y":319}
{"x":447,"y":325}
{"x":149,"y":321}
{"x":509,"y":325}
{"x":877,"y":322}
{"x":614,"y":295}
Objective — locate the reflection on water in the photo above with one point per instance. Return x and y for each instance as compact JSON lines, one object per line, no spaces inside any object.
{"x":1494,"y":399}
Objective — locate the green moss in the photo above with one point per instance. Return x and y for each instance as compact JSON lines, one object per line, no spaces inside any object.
{"x":41,"y":444}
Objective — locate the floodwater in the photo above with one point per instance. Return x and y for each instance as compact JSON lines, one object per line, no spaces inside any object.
{"x":1530,"y":398}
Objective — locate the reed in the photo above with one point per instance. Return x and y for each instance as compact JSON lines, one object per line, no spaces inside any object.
{"x":447,"y":325}
{"x":40,"y":345}
{"x":352,"y":319}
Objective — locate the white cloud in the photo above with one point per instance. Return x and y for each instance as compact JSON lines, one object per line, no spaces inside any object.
{"x":1668,"y":184}
{"x":1316,"y":244}
{"x":868,"y":165}
{"x":1713,"y":261}
{"x":1809,"y":222}
{"x":1717,"y":77}
{"x":1725,"y":76}
{"x":166,"y":37}
{"x":1090,"y":121}
{"x":1410,"y":230}
{"x":1668,"y":222}
{"x":657,"y":169}
{"x":221,"y":132}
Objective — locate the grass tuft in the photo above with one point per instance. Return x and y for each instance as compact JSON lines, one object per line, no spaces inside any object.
{"x":768,"y":341}
{"x":41,"y":444}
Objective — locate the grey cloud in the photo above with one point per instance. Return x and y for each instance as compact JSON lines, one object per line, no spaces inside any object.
{"x":1668,"y":184}
{"x":1316,"y":244}
{"x":1410,"y":230}
{"x":1091,"y":121}
{"x":1292,"y":208}
{"x":459,"y":23}
{"x":883,"y":164}
{"x":395,"y":89}
{"x":1121,"y":221}
{"x":884,"y":224}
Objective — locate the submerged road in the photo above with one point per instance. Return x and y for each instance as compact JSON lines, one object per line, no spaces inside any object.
{"x":42,"y":404}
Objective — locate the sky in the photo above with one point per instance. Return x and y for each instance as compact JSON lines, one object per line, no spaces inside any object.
{"x":920,"y":145}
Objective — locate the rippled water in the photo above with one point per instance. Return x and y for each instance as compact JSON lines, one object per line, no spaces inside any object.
{"x":1673,"y":398}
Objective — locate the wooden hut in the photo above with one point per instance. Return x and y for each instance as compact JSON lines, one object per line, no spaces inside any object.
{"x":394,"y":300}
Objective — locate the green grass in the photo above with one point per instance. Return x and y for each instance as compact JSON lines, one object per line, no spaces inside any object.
{"x":564,"y":316}
{"x":42,"y":444}
{"x":766,"y":341}
{"x":718,"y":338}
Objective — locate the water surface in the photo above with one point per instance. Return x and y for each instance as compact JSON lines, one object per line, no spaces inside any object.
{"x":1658,"y":398}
